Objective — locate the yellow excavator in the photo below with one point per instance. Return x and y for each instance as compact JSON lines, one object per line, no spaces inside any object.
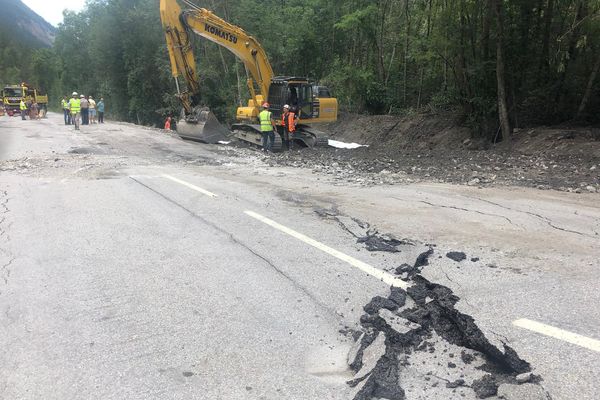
{"x":312,"y":103}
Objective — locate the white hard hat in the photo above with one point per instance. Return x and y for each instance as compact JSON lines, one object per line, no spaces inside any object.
{"x":74,"y":94}
{"x":286,"y":106}
{"x":82,"y":96}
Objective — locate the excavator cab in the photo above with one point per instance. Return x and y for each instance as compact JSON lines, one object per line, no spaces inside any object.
{"x":311,"y":102}
{"x":297,"y":93}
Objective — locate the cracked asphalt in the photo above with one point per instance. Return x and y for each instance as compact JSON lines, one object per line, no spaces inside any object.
{"x":117,"y":282}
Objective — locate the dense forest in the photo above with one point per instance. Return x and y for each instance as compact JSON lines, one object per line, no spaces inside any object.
{"x":500,"y":63}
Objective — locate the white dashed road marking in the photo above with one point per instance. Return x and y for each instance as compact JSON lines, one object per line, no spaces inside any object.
{"x":538,"y":327}
{"x":194,"y":187}
{"x":369,"y":269}
{"x":570,"y":337}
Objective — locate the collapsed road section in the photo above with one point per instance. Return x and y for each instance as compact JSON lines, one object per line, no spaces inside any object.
{"x":414,"y":343}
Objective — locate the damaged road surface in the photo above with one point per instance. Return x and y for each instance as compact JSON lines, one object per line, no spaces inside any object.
{"x":135,"y":265}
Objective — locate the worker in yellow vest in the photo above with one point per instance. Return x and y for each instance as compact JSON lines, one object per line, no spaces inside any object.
{"x":267,"y":127}
{"x":75,"y":109}
{"x":23,"y":108}
{"x":64,"y":103}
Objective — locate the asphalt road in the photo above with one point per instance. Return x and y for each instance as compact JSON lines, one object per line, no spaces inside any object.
{"x":135,"y":265}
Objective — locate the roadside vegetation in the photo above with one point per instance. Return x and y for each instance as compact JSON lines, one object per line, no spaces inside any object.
{"x":498,"y":63}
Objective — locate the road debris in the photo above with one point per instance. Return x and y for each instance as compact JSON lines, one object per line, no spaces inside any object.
{"x":457,"y":256}
{"x":428,"y":342}
{"x":342,"y":145}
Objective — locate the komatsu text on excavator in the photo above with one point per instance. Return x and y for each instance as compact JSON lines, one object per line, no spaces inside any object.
{"x":312,"y":103}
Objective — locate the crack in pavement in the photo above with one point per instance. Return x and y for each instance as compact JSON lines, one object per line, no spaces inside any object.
{"x":541,"y":217}
{"x":233,"y":239}
{"x":5,"y":270}
{"x":460,"y":209}
{"x":460,"y":286}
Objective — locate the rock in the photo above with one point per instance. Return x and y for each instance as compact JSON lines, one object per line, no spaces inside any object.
{"x":474,"y":259}
{"x":527,"y":391}
{"x":485,"y":387}
{"x":371,"y":356}
{"x":523,"y":378}
{"x":396,"y":323}
{"x":473,"y":182}
{"x":457,"y":256}
{"x":591,"y":189}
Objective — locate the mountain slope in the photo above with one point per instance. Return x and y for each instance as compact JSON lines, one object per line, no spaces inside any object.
{"x":19,"y":21}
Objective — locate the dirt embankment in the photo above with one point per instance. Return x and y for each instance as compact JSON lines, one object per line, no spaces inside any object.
{"x":439,"y":148}
{"x":446,"y":132}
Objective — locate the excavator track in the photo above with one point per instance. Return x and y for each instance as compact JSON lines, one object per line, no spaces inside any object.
{"x":305,"y":135}
{"x":311,"y":137}
{"x":250,"y":133}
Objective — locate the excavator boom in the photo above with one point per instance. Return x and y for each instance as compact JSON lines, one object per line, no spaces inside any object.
{"x":197,"y":122}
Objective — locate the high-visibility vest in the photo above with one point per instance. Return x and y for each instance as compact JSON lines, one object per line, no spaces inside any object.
{"x":23,"y":106}
{"x":291,"y":122}
{"x":64,"y":103}
{"x":265,"y":121}
{"x":75,"y":106}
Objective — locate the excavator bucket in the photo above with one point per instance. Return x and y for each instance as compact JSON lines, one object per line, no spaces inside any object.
{"x":202,"y":127}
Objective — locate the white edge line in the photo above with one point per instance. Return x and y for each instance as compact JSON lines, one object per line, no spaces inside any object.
{"x":369,"y":269}
{"x":570,"y":337}
{"x":194,"y":187}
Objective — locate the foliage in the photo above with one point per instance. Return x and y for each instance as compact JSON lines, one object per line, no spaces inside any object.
{"x":378,"y":56}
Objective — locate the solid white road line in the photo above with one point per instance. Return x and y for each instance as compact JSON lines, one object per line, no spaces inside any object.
{"x":194,"y":187}
{"x":570,"y":337}
{"x":377,"y":273}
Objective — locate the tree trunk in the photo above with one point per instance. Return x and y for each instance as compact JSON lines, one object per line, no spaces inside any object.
{"x":500,"y":75}
{"x":588,"y":90}
{"x":545,"y":55}
{"x":571,"y":54}
{"x":485,"y":36}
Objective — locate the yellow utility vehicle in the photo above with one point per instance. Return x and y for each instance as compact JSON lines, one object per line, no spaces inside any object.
{"x":12,"y":95}
{"x":312,"y":103}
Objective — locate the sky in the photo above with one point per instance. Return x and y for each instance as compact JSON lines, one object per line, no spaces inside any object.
{"x":51,"y":10}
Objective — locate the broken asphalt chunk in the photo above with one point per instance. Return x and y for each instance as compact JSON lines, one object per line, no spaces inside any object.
{"x":379,"y":302}
{"x":457,"y":256}
{"x":485,"y":387}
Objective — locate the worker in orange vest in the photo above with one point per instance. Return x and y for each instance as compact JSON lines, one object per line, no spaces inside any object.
{"x":168,"y":123}
{"x":288,"y":121}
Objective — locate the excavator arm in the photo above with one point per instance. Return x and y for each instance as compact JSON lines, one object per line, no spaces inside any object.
{"x":179,"y":24}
